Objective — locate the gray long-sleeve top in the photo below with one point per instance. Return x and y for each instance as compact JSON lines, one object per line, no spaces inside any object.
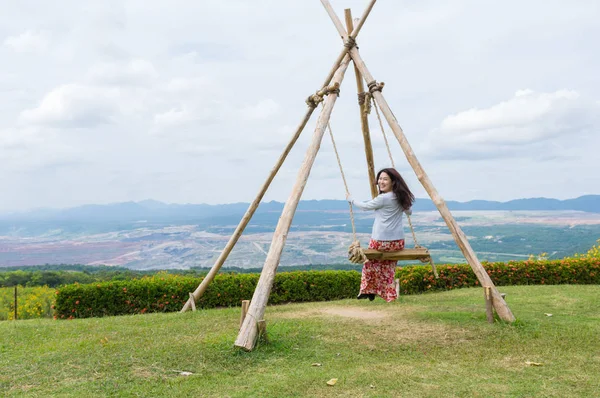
{"x":388,"y":216}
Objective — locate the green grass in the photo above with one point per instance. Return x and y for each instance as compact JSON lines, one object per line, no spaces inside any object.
{"x":432,"y":345}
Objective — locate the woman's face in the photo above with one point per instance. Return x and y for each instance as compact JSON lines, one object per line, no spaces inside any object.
{"x":384,"y":182}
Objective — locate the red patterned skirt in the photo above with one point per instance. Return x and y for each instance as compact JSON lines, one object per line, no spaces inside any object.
{"x":378,"y":275}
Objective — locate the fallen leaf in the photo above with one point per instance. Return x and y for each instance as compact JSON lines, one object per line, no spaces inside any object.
{"x":185,"y":373}
{"x":316,"y":364}
{"x":533,"y":363}
{"x":548,"y":314}
{"x":332,"y":382}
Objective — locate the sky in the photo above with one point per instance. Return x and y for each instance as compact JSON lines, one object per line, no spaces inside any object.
{"x":193,"y":101}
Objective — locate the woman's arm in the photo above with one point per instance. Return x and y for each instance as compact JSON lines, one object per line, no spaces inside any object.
{"x":373,"y":204}
{"x":408,"y":211}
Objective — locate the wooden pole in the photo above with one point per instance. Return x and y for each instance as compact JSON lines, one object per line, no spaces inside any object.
{"x":461,"y":240}
{"x":192,"y":302}
{"x":16,"y":303}
{"x":489,"y":306}
{"x":248,"y":333}
{"x":245,"y":304}
{"x":364,"y":118}
{"x":262,"y":330}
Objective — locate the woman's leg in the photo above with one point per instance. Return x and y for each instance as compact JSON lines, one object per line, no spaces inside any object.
{"x":378,"y":275}
{"x":368,"y":280}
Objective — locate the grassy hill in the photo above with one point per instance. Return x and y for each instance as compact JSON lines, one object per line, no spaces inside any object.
{"x":419,"y":346}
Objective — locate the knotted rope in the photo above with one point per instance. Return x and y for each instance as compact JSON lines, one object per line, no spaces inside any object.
{"x":374,"y":86}
{"x":350,"y":42}
{"x":315,"y":99}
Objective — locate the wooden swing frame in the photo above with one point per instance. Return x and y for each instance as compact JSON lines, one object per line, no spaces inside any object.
{"x":328,"y":94}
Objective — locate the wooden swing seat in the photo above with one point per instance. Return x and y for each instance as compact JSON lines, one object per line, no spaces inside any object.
{"x":417,"y":253}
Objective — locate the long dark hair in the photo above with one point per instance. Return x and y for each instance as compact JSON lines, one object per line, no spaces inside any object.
{"x":404,"y":196}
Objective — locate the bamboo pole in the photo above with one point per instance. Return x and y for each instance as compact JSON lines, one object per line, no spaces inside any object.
{"x":192,"y":302}
{"x":245,"y":304}
{"x":248,"y":215}
{"x":248,"y":332}
{"x":364,"y":118}
{"x":489,"y":304}
{"x":461,"y":240}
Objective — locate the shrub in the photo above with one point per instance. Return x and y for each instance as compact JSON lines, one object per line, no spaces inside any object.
{"x":166,"y":292}
{"x":582,"y":271}
{"x":32,"y":302}
{"x":594,"y":252}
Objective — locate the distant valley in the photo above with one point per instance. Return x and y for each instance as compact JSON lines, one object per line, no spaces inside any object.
{"x":155,"y":235}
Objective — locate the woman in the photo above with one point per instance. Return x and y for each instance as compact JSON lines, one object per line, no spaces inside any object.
{"x":388,"y":233}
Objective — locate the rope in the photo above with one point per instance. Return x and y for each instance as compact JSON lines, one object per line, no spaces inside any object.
{"x":355,"y":252}
{"x":374,"y":86}
{"x":387,"y":144}
{"x":413,"y":231}
{"x":315,"y":99}
{"x":350,"y":42}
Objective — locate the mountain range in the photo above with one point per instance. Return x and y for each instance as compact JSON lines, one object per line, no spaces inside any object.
{"x":152,"y":210}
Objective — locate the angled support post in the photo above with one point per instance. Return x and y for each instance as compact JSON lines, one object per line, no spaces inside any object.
{"x":461,"y":239}
{"x":249,"y":331}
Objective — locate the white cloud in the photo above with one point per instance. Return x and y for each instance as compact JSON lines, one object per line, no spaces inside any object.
{"x":28,"y":149}
{"x":135,"y":72}
{"x":177,"y":117}
{"x":515,"y":126}
{"x":28,"y":41}
{"x":201,"y":101}
{"x":264,"y":109}
{"x":74,"y":105}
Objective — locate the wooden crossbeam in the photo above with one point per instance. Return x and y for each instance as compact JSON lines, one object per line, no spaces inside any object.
{"x":416,"y":253}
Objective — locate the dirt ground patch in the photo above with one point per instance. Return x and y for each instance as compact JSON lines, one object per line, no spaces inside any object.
{"x":354,"y":312}
{"x":391,"y":325}
{"x":346,"y":312}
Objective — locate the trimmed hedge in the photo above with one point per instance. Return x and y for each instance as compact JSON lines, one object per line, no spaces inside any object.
{"x":576,"y":271}
{"x":168,"y":293}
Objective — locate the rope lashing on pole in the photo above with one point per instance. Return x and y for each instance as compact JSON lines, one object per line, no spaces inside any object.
{"x":374,"y":86}
{"x":315,"y":99}
{"x":350,"y":42}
